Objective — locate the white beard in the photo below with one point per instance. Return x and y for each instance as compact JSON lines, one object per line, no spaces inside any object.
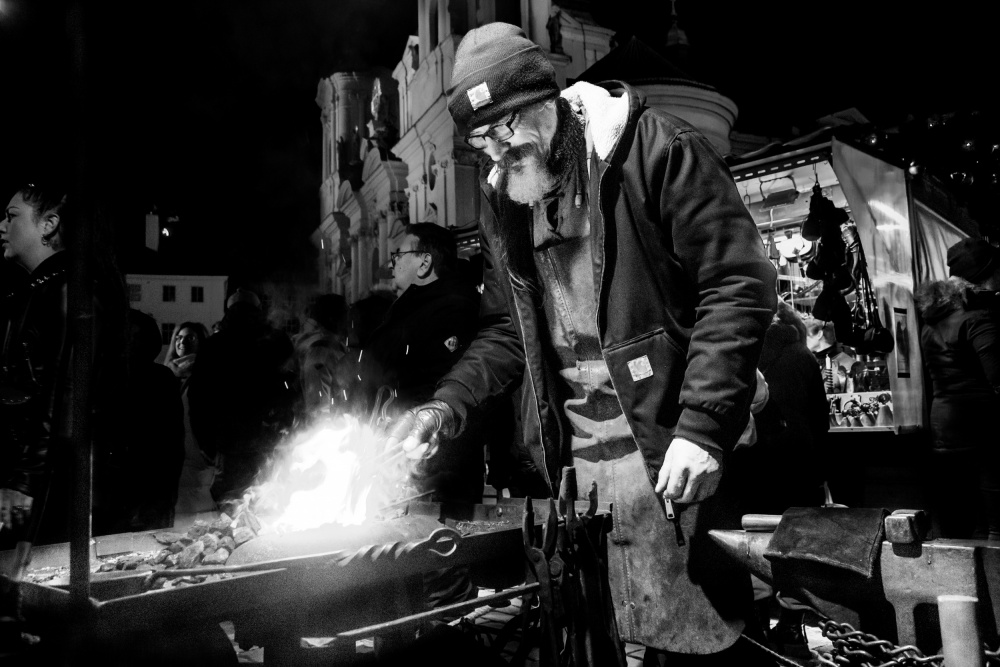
{"x":529,"y":180}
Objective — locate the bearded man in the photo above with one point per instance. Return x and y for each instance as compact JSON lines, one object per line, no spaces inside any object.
{"x":626,"y":284}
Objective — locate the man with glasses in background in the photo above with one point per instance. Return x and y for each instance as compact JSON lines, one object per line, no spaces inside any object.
{"x":429,"y":325}
{"x":626,"y":283}
{"x":425,"y":331}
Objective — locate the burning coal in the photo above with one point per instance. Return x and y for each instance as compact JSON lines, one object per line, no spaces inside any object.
{"x":336,"y":472}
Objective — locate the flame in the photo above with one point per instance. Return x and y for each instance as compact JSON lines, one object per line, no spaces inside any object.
{"x":336,"y":472}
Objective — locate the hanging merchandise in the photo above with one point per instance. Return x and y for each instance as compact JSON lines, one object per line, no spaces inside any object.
{"x":828,"y":261}
{"x":772,"y":249}
{"x":793,"y":247}
{"x":868,"y":335}
{"x":831,"y":306}
{"x":823,"y":215}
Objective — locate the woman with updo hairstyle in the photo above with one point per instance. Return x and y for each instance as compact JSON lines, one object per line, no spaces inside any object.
{"x":35,"y":348}
{"x":36,"y":392}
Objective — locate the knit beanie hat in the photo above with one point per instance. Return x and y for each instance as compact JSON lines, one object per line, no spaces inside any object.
{"x":497,"y":71}
{"x":973,"y":259}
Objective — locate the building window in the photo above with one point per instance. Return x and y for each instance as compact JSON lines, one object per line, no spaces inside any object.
{"x":134,"y":292}
{"x":197,"y":294}
{"x":169,"y":293}
{"x":166,"y":331}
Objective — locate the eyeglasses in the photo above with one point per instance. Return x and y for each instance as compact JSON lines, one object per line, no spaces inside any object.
{"x":496,"y":132}
{"x":393,"y":256}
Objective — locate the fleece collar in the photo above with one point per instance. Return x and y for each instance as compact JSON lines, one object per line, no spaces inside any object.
{"x":606,"y":115}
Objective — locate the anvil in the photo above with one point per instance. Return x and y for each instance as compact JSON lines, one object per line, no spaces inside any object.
{"x":910,"y":573}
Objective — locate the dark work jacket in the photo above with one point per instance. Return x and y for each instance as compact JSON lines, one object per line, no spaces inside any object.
{"x":34,"y":374}
{"x":681,"y":278}
{"x":961,"y":347}
{"x":683,"y":289}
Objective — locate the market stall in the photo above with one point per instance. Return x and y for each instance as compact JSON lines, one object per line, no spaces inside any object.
{"x":851,"y":236}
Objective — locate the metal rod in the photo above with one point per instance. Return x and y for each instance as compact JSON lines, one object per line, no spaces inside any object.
{"x":418,"y":619}
{"x":248,"y":568}
{"x":81,"y":324}
{"x":405,"y":500}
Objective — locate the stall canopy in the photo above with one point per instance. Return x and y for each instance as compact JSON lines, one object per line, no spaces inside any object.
{"x":879,"y":201}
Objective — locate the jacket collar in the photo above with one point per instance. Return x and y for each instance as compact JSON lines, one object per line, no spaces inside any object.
{"x":607,"y":114}
{"x":417,"y":296}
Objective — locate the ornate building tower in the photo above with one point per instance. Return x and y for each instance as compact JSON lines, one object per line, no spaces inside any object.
{"x":360,"y":117}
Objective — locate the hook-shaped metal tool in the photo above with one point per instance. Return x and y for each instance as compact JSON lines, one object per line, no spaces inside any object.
{"x":378,"y":414}
{"x":384,"y":411}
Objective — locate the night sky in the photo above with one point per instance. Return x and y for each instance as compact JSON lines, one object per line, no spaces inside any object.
{"x":206,"y":109}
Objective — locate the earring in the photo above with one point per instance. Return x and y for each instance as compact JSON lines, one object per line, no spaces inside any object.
{"x":46,"y":241}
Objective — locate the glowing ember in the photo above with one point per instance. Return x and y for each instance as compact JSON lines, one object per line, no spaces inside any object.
{"x":337,"y":472}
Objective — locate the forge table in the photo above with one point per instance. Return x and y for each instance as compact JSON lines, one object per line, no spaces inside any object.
{"x":331,"y":581}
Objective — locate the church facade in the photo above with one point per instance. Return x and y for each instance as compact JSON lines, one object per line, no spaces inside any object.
{"x":391,"y":155}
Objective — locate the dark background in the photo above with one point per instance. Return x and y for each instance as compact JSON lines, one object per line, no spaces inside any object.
{"x":206,"y":109}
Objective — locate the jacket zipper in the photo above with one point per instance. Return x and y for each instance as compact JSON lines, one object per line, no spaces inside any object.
{"x":534,"y":391}
{"x":600,"y":299}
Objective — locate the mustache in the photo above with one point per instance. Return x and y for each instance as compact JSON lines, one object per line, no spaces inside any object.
{"x":516,"y":154}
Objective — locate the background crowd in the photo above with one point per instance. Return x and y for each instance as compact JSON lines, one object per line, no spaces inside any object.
{"x":178,"y":437}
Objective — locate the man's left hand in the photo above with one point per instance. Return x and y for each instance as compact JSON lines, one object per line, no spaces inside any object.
{"x":690,"y":473}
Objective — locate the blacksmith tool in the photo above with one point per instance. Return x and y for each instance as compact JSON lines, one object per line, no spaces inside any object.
{"x":571,"y":570}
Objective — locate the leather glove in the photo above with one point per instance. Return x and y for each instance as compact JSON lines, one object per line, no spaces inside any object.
{"x":421,"y":428}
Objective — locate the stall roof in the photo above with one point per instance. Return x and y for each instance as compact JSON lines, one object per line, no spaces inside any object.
{"x":779,"y":156}
{"x":952,"y":164}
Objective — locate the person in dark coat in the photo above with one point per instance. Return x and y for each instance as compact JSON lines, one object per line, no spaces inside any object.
{"x":960,"y":339}
{"x":199,"y":470}
{"x":626,"y":283}
{"x":36,"y":390}
{"x":785,"y":467}
{"x":242,"y":394}
{"x":154,"y":427}
{"x":424,"y":333}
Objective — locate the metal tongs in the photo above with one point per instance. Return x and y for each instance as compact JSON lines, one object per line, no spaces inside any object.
{"x":576,"y":617}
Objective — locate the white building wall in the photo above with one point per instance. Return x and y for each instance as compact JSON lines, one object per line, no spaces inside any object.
{"x":146,"y":294}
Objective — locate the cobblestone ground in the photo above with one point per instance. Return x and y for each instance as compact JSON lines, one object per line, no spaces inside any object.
{"x":487,"y":621}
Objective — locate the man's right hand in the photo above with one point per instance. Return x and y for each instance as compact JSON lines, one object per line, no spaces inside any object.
{"x":420,"y":429}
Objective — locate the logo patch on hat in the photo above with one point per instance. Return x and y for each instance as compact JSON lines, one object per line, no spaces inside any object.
{"x":640,"y":368}
{"x":479,"y":96}
{"x":451,"y":343}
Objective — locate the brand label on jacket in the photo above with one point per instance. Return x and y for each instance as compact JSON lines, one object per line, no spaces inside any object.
{"x":640,"y":368}
{"x":479,"y":96}
{"x":451,"y":343}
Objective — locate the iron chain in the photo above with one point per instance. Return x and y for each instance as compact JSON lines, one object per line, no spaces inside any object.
{"x":853,"y":648}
